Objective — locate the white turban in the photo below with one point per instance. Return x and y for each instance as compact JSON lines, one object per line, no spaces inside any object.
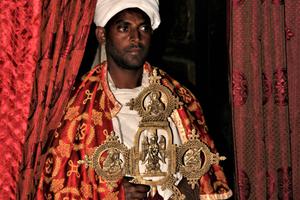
{"x":106,"y":9}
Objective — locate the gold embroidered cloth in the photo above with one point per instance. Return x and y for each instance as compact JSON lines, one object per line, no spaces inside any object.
{"x":87,"y":121}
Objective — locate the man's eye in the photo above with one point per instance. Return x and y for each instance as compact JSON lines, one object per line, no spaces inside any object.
{"x":123,"y":28}
{"x":146,"y":28}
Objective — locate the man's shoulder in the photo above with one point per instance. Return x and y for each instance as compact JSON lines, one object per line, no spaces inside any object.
{"x":92,"y":77}
{"x":177,"y":88}
{"x":170,"y":81}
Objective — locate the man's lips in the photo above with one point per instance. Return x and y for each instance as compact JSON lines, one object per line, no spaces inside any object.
{"x":135,"y":50}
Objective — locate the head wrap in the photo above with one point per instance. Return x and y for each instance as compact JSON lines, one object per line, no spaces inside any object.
{"x":106,"y":9}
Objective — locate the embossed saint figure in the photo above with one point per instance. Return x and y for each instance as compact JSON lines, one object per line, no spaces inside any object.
{"x":113,"y":162}
{"x":192,"y":158}
{"x":153,"y":151}
{"x":155,"y":106}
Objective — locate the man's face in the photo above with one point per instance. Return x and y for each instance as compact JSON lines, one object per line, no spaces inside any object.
{"x":128,"y":36}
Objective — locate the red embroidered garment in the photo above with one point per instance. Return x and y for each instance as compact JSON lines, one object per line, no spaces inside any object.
{"x":88,"y":117}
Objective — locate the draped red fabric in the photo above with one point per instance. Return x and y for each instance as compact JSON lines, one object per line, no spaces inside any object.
{"x":292,"y":20}
{"x":19,"y":36}
{"x":265,"y":66}
{"x":63,"y":32}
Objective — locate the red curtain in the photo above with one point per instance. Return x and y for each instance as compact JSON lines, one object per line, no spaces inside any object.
{"x":264,"y":72}
{"x":19,"y":40}
{"x":42,"y":44}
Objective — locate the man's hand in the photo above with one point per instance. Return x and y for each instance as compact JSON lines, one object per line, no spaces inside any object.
{"x":134,"y":191}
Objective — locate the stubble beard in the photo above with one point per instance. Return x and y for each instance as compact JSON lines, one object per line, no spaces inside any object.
{"x":127,"y":61}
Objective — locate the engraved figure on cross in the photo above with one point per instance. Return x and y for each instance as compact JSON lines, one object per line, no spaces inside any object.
{"x":153,"y":151}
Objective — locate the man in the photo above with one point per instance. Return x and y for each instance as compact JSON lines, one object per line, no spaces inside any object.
{"x":99,"y":106}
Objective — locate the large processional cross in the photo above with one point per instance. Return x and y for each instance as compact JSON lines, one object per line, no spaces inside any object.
{"x":154,"y":158}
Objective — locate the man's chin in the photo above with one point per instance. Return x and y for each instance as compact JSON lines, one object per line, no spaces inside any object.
{"x":133,"y":64}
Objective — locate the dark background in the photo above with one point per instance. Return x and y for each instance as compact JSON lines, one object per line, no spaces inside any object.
{"x":190,"y":45}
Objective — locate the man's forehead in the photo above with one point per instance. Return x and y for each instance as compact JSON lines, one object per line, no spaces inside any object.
{"x":126,"y":14}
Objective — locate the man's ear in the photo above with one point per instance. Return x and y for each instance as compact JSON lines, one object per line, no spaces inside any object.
{"x":100,"y":34}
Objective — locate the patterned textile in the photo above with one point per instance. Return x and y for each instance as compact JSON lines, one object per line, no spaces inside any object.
{"x":62,"y":28}
{"x":265,"y":49}
{"x":87,"y":118}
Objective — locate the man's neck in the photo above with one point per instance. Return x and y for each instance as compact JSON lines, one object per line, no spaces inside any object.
{"x":125,"y":78}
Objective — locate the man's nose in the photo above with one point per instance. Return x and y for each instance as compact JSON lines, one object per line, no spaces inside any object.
{"x":135,"y":35}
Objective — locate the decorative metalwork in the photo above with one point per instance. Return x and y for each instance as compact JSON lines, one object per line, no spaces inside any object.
{"x":154,"y":158}
{"x":195,"y":159}
{"x":155,"y":103}
{"x":110,"y":160}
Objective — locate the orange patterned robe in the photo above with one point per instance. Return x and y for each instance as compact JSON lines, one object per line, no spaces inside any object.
{"x":87,"y":118}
